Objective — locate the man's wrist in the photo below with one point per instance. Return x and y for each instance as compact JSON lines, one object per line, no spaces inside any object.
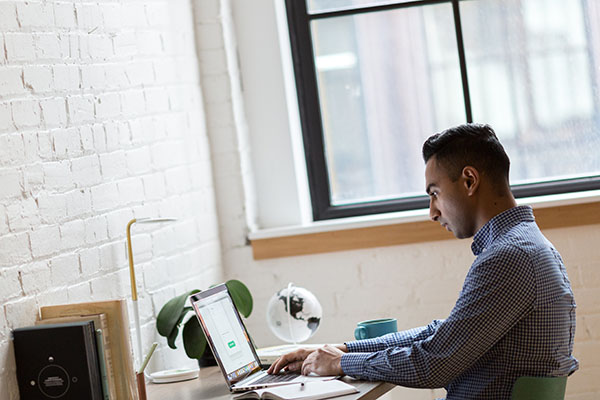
{"x":342,"y":347}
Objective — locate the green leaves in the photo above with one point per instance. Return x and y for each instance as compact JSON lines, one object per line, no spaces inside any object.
{"x":194,"y":340}
{"x":174,"y":312}
{"x":173,"y":334}
{"x":241,"y":296}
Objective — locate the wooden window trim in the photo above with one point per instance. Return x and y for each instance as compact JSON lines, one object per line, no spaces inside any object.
{"x":559,"y":216}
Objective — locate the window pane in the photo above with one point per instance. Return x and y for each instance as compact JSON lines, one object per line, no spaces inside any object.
{"x":533,"y":75}
{"x":387,"y":80}
{"x":315,"y":6}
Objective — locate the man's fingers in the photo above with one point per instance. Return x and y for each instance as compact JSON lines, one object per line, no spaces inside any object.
{"x":272,"y":367}
{"x":307,"y":364}
{"x":295,"y":366}
{"x":287,"y":360}
{"x":277,"y":365}
{"x":323,"y":361}
{"x":305,"y":368}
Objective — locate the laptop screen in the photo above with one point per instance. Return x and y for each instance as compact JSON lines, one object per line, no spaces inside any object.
{"x":226,"y":333}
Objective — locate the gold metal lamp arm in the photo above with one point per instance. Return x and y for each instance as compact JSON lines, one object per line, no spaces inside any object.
{"x":134,"y":296}
{"x":130,"y":254}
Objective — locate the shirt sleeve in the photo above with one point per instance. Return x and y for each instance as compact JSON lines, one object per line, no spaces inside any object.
{"x":396,"y":339}
{"x":497,"y":293}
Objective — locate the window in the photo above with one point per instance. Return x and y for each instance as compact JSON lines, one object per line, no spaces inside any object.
{"x":376,"y":78}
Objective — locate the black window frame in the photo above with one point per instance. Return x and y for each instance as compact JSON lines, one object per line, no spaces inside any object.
{"x":299,"y":20}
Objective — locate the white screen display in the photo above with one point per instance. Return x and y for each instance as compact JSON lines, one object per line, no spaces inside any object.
{"x":230,"y":341}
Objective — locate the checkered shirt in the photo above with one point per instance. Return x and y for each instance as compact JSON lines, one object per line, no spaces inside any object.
{"x":515,"y":316}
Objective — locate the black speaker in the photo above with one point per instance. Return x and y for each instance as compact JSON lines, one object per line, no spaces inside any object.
{"x":58,"y":362}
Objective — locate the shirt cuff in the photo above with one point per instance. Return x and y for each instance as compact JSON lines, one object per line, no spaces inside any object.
{"x":353,"y":346}
{"x":353,"y":364}
{"x":365,"y":345}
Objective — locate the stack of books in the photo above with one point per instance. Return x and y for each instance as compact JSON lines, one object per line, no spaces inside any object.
{"x":77,"y":351}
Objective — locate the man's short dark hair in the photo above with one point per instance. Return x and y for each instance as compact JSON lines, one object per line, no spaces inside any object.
{"x":470,"y":144}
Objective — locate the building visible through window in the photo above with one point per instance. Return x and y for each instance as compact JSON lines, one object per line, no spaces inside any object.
{"x":376,"y":78}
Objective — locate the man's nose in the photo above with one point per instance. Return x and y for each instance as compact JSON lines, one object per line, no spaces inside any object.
{"x":434,"y":213}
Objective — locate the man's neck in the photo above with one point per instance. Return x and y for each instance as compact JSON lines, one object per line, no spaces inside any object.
{"x":492,"y":206}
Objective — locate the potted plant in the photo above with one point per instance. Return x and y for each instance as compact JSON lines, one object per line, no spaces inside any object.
{"x":173,"y":313}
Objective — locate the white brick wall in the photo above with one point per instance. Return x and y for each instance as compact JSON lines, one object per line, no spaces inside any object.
{"x":101,"y":121}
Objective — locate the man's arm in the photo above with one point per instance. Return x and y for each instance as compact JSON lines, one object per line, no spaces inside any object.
{"x":495,"y":297}
{"x":327,"y":360}
{"x":396,"y":339}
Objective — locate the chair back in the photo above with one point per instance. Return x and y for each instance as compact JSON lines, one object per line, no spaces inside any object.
{"x":539,"y":388}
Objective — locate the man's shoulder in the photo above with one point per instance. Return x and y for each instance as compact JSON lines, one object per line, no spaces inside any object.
{"x":502,"y":268}
{"x":524,"y":237}
{"x":508,"y":249}
{"x":522,"y":249}
{"x":504,"y":261}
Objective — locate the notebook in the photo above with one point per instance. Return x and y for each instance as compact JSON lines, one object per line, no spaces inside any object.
{"x":231,"y":344}
{"x":307,"y":391}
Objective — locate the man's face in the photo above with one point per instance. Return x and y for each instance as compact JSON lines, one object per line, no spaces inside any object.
{"x":449,"y":203}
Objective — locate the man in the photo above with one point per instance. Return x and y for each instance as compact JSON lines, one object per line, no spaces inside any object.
{"x":515,"y":315}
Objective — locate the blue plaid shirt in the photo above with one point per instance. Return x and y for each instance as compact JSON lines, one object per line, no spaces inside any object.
{"x":514,"y":316}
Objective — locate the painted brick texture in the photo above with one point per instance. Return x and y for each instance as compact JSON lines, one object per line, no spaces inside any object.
{"x":141,"y":102}
{"x":101,"y":121}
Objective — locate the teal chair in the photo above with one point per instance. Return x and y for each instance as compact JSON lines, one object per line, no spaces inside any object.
{"x":539,"y":388}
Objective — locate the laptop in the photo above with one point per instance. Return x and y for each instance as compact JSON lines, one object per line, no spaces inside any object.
{"x":231,"y":344}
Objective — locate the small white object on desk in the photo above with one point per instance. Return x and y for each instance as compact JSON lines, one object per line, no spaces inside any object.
{"x":174,"y":375}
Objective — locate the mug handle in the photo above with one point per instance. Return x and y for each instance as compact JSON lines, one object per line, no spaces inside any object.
{"x":360,"y":333}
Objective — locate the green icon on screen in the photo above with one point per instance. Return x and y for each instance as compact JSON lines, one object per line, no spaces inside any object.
{"x":231,"y":344}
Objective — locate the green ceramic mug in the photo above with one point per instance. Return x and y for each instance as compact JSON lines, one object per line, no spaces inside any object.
{"x":375,"y":327}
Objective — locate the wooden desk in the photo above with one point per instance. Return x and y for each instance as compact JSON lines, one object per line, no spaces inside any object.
{"x":211,"y":385}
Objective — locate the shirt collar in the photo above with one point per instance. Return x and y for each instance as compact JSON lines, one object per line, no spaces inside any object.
{"x":498,"y":225}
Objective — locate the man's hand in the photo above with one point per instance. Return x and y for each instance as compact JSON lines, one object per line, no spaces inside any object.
{"x":290,"y":361}
{"x":294,"y":361}
{"x":324,"y":361}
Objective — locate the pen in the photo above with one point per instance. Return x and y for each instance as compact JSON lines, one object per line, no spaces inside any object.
{"x":301,"y":385}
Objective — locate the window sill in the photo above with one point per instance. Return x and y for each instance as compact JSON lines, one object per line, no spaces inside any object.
{"x":555,"y":211}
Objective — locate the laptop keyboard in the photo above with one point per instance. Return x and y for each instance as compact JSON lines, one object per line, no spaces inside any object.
{"x":275,"y":378}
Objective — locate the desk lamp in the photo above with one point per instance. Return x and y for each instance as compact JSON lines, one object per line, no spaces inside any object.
{"x":136,"y":312}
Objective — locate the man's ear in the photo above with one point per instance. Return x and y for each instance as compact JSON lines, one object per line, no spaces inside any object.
{"x":471,"y":179}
